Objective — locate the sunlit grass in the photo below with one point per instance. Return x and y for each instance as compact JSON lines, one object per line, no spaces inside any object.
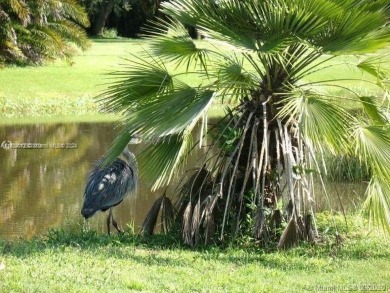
{"x":90,"y":262}
{"x":59,"y":119}
{"x":68,"y":88}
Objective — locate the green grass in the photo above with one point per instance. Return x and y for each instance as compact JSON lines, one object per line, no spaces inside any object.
{"x":62,"y":88}
{"x":89,"y":262}
{"x":59,"y":119}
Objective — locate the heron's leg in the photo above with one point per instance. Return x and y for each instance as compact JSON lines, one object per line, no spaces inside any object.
{"x":86,"y":225}
{"x":109,"y":220}
{"x":116,"y":224}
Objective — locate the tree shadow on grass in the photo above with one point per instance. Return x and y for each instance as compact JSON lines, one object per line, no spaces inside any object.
{"x":152,"y":250}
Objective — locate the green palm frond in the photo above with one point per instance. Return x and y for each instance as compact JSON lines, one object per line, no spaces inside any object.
{"x":165,"y":123}
{"x":74,"y":11}
{"x":281,"y":23}
{"x":372,"y":145}
{"x":52,"y":44}
{"x":322,"y":122}
{"x":220,"y":23}
{"x":259,"y":26}
{"x":120,"y":142}
{"x":372,"y":111}
{"x":172,"y":113}
{"x":300,"y":61}
{"x":354,"y":31}
{"x":377,"y":204}
{"x":171,"y":41}
{"x":373,"y":65}
{"x":21,"y":9}
{"x":160,"y":162}
{"x":138,"y":85}
{"x":70,"y":31}
{"x":234,"y":79}
{"x":44,"y":30}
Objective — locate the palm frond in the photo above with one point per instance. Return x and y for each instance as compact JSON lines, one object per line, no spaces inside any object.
{"x":161,"y":162}
{"x":171,"y":41}
{"x":21,"y":9}
{"x":280,"y":23}
{"x":120,"y":142}
{"x":68,"y":30}
{"x":74,"y":11}
{"x":377,"y":204}
{"x":354,"y":31}
{"x":171,"y":113}
{"x":372,"y":110}
{"x":169,"y":136}
{"x":234,"y":80}
{"x":44,"y":30}
{"x":163,"y":206}
{"x":373,"y":65}
{"x":372,"y":146}
{"x":137,"y":86}
{"x":218,"y":24}
{"x":321,"y":120}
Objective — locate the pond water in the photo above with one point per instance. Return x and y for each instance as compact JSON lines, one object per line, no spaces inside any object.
{"x":42,"y":181}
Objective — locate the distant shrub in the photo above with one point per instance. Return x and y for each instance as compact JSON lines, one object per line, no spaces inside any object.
{"x":110,"y":33}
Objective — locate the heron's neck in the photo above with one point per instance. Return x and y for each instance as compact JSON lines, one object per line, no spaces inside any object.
{"x":130,"y":158}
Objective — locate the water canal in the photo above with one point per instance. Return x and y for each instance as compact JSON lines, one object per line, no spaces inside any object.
{"x":42,"y":181}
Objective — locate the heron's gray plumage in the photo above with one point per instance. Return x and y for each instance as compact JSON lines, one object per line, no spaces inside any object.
{"x":107,"y":187}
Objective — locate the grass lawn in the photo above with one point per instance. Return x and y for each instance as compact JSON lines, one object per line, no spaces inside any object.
{"x":88,"y":262}
{"x":62,"y":88}
{"x":84,"y":77}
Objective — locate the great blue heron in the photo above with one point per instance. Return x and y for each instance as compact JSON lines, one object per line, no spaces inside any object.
{"x":108,"y":186}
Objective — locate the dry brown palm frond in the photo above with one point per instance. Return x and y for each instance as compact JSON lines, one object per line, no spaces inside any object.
{"x":258,"y":229}
{"x":290,"y":236}
{"x":308,"y":233}
{"x":187,"y":224}
{"x":200,"y":182}
{"x":163,"y":204}
{"x":196,"y":220}
{"x":209,"y":223}
{"x":203,"y":220}
{"x":167,"y":214}
{"x":151,"y":218}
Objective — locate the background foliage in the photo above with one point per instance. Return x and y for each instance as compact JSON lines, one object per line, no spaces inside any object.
{"x":34,"y":31}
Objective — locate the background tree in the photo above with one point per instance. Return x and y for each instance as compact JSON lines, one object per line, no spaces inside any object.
{"x":99,"y":12}
{"x":261,"y":56}
{"x":126,"y":16}
{"x":34,"y":31}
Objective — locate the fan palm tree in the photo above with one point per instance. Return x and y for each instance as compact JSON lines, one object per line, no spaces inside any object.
{"x":34,"y":31}
{"x":262,"y":58}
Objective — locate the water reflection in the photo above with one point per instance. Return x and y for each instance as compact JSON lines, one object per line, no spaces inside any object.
{"x":43,"y":188}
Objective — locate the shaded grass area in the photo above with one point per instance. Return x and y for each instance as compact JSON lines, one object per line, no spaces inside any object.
{"x":90,"y":262}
